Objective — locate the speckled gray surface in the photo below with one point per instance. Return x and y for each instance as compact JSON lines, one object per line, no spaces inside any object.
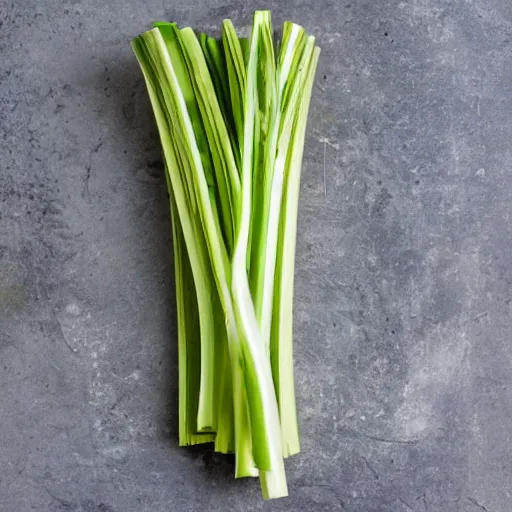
{"x":404,"y":273}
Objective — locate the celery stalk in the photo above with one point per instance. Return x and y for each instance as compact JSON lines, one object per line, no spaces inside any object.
{"x":276,"y":131}
{"x":188,"y":339}
{"x":263,"y":410}
{"x":236,"y":75}
{"x":227,"y":179}
{"x":281,"y":347}
{"x":196,"y":246}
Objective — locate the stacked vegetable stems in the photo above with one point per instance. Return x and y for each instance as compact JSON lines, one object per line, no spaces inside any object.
{"x":231,"y":114}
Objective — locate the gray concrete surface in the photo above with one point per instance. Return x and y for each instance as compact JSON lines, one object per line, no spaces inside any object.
{"x":403,"y":296}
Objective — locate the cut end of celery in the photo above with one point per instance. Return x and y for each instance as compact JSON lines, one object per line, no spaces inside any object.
{"x":272,"y":487}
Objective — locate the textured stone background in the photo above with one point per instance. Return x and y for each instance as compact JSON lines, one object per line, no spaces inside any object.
{"x":403,"y":296}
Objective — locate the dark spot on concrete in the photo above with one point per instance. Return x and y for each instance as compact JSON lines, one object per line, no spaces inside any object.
{"x":381,"y":203}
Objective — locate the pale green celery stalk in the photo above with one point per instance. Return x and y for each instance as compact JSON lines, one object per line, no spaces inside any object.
{"x":224,"y":440}
{"x":174,"y":45}
{"x":184,"y":133}
{"x":214,"y":55}
{"x":244,"y":45}
{"x":215,"y":58}
{"x":236,"y":75}
{"x":226,"y":172}
{"x":188,"y":336}
{"x":290,"y":56}
{"x":267,"y":210}
{"x":293,"y":69}
{"x":171,"y":36}
{"x":290,"y":53}
{"x":266,"y":130}
{"x":263,"y":410}
{"x":281,"y":346}
{"x":235,"y":54}
{"x":293,"y":56}
{"x":149,"y":49}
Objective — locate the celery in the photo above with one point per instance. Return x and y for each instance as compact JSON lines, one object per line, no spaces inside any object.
{"x":231,"y":115}
{"x":281,"y":346}
{"x":188,"y":340}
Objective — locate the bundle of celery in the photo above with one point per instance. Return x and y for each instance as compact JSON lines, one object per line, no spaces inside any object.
{"x":231,"y":113}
